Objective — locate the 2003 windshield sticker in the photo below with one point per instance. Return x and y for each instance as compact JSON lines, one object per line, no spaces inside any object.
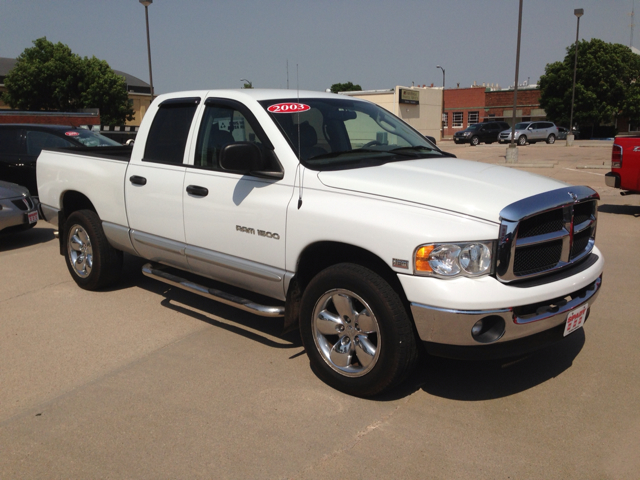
{"x":288,"y":108}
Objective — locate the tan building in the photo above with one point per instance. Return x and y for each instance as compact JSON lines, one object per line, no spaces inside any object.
{"x":420,"y":107}
{"x":139,"y":91}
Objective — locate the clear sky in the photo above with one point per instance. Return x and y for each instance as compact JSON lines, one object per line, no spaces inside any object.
{"x":198,"y":44}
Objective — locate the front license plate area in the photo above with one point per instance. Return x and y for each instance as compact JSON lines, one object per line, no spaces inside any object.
{"x":32,"y":217}
{"x":575,"y":319}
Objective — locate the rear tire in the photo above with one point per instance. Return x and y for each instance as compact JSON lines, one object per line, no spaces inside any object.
{"x":551,"y":139}
{"x":91,"y":260}
{"x":356,"y":331}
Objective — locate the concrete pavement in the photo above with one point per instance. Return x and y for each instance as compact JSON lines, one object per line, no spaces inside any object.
{"x":146,"y":381}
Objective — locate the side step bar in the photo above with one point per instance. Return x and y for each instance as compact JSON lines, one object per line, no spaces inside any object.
{"x":157,"y":272}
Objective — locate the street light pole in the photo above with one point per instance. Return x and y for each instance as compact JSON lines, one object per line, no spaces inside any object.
{"x":146,"y":4}
{"x":442,"y":116}
{"x":512,"y":151}
{"x":578,"y":12}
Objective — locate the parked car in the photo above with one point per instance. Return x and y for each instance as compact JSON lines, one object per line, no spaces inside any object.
{"x":531,"y":132}
{"x":18,"y":210}
{"x":20,"y":145}
{"x":562,"y":133}
{"x":486,"y":132}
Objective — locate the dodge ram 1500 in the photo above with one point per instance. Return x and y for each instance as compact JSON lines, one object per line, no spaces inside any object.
{"x":360,"y":232}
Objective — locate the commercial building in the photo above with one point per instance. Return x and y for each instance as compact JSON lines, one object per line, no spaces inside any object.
{"x":420,"y":107}
{"x":483,"y":103}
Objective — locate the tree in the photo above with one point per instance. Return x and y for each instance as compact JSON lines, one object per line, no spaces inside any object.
{"x":50,"y":76}
{"x":345,"y":87}
{"x":606,"y":87}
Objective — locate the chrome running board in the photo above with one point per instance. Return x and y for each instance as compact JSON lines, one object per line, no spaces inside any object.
{"x":156,"y":272}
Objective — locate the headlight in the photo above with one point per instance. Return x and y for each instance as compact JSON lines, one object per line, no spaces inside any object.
{"x":466,"y":134}
{"x":454,"y":259}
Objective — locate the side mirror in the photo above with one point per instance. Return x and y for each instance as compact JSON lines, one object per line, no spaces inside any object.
{"x":241,"y":157}
{"x":246,"y":158}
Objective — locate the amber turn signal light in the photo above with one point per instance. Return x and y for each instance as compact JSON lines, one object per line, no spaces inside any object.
{"x":422,"y":258}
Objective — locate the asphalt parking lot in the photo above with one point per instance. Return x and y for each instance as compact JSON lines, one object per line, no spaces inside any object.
{"x":147,"y":381}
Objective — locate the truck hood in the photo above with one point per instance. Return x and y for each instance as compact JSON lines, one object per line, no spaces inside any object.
{"x":472,"y":188}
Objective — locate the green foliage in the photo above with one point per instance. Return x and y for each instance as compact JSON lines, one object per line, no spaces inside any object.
{"x":345,"y":87}
{"x":50,"y":76}
{"x":606,"y":86}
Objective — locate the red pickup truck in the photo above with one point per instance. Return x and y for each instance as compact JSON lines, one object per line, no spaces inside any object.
{"x":625,"y":165}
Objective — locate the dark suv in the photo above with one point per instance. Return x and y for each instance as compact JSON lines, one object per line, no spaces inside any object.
{"x":20,"y":146}
{"x":486,"y":132}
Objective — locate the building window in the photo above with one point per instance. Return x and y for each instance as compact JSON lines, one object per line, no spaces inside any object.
{"x":457,"y":119}
{"x":472,"y":117}
{"x":445,"y":120}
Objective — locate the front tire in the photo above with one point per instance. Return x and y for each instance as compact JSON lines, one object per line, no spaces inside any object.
{"x":522,"y":140}
{"x":551,"y":139}
{"x":91,"y":260}
{"x":475,"y":141}
{"x":356,"y":331}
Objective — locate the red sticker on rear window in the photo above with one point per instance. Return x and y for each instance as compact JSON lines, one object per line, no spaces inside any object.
{"x":288,"y":108}
{"x":71,"y":134}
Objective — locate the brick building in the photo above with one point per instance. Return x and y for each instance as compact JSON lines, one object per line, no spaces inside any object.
{"x":477,"y":104}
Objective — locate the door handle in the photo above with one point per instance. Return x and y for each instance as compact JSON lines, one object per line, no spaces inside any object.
{"x":136,"y":180}
{"x":197,"y":191}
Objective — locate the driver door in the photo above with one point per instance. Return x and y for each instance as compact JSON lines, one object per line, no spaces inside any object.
{"x":234,"y":224}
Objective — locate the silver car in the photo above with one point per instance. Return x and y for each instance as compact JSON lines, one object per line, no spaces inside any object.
{"x":531,"y":132}
{"x":18,"y":210}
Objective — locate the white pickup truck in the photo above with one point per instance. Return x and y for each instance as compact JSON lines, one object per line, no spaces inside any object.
{"x":334,"y":214}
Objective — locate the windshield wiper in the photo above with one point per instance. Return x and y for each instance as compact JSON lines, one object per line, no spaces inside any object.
{"x":346,"y":152}
{"x":416,"y":148}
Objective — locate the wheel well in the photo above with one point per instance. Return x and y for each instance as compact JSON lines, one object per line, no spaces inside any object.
{"x":318,"y":256}
{"x":72,"y":201}
{"x":321,"y":255}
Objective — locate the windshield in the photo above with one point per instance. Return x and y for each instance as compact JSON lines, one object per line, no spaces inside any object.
{"x":522,"y":126}
{"x":91,"y":139}
{"x":474,"y":127}
{"x":330,"y":134}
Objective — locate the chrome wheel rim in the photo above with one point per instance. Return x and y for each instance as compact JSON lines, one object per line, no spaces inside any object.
{"x":80,"y":251}
{"x":346,"y":333}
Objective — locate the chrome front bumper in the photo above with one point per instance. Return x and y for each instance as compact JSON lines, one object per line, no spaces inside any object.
{"x":453,"y":327}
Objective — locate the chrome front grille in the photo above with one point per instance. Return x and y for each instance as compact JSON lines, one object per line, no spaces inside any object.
{"x":546,"y":233}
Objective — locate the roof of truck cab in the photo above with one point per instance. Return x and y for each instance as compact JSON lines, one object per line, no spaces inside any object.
{"x":257,"y":94}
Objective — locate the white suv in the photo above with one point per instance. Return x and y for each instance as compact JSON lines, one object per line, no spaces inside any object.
{"x":531,"y":132}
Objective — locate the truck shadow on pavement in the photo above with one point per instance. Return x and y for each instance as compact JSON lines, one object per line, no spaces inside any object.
{"x":14,"y":240}
{"x":476,"y":381}
{"x":267,"y":331}
{"x":620,"y":209}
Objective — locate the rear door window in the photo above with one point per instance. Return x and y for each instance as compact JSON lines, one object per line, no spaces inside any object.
{"x":169,"y":131}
